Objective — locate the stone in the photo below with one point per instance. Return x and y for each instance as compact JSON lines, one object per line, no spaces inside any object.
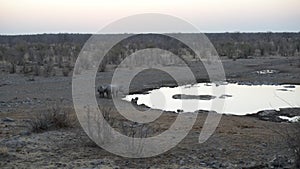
{"x":279,"y":161}
{"x":15,"y":143}
{"x":24,"y":133}
{"x":8,"y":119}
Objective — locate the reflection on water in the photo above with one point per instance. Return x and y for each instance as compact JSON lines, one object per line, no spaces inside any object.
{"x":236,"y":99}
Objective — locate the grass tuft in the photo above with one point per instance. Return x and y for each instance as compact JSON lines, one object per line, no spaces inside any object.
{"x":53,"y":118}
{"x":3,"y":151}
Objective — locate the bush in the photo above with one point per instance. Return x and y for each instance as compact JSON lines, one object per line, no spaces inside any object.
{"x":36,"y":71}
{"x":66,"y":71}
{"x":297,"y":146}
{"x":53,"y":118}
{"x":293,"y":140}
{"x":12,"y":68}
{"x":97,"y":129}
{"x":48,"y":70}
{"x":3,"y":151}
{"x":290,"y":136}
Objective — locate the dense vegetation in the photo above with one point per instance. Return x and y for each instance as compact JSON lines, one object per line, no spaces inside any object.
{"x":40,"y":54}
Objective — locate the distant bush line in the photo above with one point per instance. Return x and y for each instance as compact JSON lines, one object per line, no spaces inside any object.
{"x":55,"y":54}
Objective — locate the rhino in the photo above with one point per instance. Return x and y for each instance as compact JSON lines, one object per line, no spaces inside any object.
{"x":108,"y":91}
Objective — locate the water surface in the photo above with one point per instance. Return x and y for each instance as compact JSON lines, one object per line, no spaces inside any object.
{"x":223,"y":98}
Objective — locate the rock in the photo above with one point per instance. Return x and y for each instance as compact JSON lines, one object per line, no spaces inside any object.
{"x":25,"y":133}
{"x":3,"y":84}
{"x":224,"y":165}
{"x":254,"y":165}
{"x":245,"y":83}
{"x":15,"y":143}
{"x":181,"y":162}
{"x":97,"y":162}
{"x":264,"y":144}
{"x":290,"y":86}
{"x":202,"y":164}
{"x":179,"y":111}
{"x":8,"y":119}
{"x":273,"y":115}
{"x":31,"y":79}
{"x":184,"y":167}
{"x":279,"y":161}
{"x":214,"y":164}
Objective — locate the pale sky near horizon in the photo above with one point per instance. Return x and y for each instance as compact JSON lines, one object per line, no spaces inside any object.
{"x":89,"y":16}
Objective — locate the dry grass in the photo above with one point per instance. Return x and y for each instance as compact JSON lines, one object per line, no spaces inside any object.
{"x":296,"y":142}
{"x":97,"y":130}
{"x":53,"y":118}
{"x":293,"y":141}
{"x":3,"y":151}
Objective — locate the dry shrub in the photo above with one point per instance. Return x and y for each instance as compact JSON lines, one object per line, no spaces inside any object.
{"x":3,"y":151}
{"x":293,"y":141}
{"x":291,"y":137}
{"x":12,"y":68}
{"x":53,"y":118}
{"x":98,"y":131}
{"x":48,"y":68}
{"x":296,"y":145}
{"x":129,"y":128}
{"x":66,"y":71}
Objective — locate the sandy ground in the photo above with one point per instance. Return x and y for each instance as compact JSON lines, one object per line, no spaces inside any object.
{"x":238,"y":142}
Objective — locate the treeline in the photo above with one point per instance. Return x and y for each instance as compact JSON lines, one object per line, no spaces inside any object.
{"x":244,"y":45}
{"x":45,"y":54}
{"x":48,"y":53}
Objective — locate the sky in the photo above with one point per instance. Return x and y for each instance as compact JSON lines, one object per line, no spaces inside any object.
{"x":89,"y":16}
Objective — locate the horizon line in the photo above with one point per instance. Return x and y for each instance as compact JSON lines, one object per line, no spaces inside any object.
{"x":92,"y":33}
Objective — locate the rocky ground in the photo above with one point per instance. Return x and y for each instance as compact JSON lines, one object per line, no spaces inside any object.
{"x":256,"y":141}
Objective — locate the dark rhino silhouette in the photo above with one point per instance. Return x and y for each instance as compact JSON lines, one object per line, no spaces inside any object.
{"x":108,"y":91}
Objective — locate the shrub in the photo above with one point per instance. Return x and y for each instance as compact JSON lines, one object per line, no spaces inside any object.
{"x":297,"y":146}
{"x":66,"y":71}
{"x":3,"y":151}
{"x":53,"y":118}
{"x":12,"y":68}
{"x":293,"y":140}
{"x":48,"y":69}
{"x":97,"y":129}
{"x":36,"y":71}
